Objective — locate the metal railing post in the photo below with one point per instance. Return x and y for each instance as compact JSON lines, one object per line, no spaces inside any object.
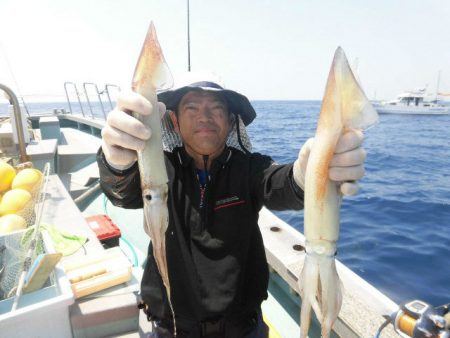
{"x":88,"y":101}
{"x":107,"y":93}
{"x":12,"y":98}
{"x":78,"y":96}
{"x":98,"y":95}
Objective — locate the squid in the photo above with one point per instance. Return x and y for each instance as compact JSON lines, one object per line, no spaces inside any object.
{"x":344,"y":107}
{"x":151,"y":74}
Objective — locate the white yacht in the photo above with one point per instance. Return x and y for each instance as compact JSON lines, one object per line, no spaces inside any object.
{"x":413,"y":102}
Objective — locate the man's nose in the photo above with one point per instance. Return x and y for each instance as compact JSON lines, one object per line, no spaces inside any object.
{"x":205,"y":114}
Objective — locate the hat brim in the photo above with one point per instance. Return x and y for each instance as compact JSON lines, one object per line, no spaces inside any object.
{"x":237,"y":103}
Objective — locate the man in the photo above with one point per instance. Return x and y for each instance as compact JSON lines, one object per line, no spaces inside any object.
{"x":215,"y":254}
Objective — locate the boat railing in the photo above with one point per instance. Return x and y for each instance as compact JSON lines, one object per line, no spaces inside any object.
{"x":85,"y":85}
{"x":12,"y":98}
{"x":84,"y":95}
{"x":78,"y":96}
{"x":106,"y":91}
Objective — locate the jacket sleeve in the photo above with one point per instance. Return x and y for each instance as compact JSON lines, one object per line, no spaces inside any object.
{"x":122,"y":187}
{"x":274,"y":185}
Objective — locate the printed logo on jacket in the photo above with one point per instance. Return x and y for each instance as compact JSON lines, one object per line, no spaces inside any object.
{"x":228,"y":202}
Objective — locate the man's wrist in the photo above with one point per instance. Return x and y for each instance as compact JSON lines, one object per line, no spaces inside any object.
{"x":117,"y":169}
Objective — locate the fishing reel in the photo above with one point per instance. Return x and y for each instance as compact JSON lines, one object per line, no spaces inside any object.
{"x":417,"y":319}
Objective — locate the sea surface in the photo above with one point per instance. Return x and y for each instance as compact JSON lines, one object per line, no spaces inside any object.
{"x":395,"y":233}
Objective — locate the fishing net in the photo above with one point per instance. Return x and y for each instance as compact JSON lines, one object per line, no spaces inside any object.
{"x":15,"y":247}
{"x":19,"y":249}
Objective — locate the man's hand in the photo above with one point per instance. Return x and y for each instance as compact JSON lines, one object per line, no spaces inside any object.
{"x":123,"y":134}
{"x":347,"y":164}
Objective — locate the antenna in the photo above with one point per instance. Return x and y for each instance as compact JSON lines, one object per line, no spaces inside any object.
{"x":437,"y":85}
{"x":188,"y":38}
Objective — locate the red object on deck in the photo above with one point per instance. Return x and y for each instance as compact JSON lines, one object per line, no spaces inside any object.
{"x":107,"y":232}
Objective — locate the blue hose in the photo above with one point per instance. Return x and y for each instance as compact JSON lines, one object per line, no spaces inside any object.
{"x":135,"y":257}
{"x":105,"y":201}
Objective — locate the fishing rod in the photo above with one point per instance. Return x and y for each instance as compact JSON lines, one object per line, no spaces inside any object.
{"x":188,"y":37}
{"x":417,"y":319}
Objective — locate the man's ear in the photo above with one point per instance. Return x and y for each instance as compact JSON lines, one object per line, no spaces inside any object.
{"x":232,"y":119}
{"x":174,"y":119}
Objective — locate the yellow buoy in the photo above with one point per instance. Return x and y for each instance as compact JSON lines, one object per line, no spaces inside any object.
{"x":14,"y":201}
{"x":7,"y":174}
{"x":27,"y":179}
{"x":9,"y":223}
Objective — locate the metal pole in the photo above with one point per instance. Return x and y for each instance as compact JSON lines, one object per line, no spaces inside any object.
{"x":78,"y":97}
{"x":100,"y":100}
{"x":88,"y":193}
{"x":188,"y":38}
{"x":437,"y":85}
{"x":67,"y":96}
{"x":12,"y":98}
{"x":87,"y":98}
{"x":107,"y":93}
{"x":98,"y":96}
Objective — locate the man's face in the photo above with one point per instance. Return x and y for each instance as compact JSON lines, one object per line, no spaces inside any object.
{"x":203,"y":122}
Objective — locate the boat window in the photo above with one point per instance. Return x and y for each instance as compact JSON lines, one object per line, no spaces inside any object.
{"x":406,"y":100}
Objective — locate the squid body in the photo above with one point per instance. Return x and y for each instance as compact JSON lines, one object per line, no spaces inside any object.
{"x":152,"y":73}
{"x":344,"y":107}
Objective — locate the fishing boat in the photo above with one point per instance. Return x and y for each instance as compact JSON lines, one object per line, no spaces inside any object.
{"x":413,"y":102}
{"x":69,"y":140}
{"x":94,"y":290}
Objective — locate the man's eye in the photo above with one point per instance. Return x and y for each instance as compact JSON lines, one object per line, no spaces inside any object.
{"x":218,"y":108}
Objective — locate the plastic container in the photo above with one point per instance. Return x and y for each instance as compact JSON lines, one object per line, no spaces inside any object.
{"x":42,"y":313}
{"x":107,"y":232}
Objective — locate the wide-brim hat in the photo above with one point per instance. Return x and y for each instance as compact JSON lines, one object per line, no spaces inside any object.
{"x":237,"y":103}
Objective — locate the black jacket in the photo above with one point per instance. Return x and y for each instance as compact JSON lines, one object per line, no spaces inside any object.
{"x":216,"y":259}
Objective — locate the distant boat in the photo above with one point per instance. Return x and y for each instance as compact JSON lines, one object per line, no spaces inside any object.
{"x":413,"y":102}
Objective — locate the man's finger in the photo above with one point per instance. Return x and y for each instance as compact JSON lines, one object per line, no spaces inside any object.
{"x":343,"y":174}
{"x":349,"y":158}
{"x":116,"y":137}
{"x":352,"y":139}
{"x":133,"y":102}
{"x":349,"y":188}
{"x":118,"y":157}
{"x":128,"y":124}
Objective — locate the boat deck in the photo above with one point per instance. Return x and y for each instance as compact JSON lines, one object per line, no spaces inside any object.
{"x":363,"y":307}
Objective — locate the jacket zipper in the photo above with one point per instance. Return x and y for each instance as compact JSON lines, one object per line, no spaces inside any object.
{"x":204,"y":193}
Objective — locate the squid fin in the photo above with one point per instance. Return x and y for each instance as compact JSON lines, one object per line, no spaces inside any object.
{"x":152,"y":71}
{"x":344,"y":94}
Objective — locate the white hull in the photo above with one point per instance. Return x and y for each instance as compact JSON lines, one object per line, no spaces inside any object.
{"x":390,"y":109}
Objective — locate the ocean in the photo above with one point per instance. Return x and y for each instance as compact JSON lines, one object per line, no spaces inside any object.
{"x":395,"y":233}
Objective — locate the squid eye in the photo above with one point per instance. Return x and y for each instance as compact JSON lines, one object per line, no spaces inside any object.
{"x":148,"y":197}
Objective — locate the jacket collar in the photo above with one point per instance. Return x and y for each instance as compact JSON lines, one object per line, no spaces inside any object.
{"x":185,"y":159}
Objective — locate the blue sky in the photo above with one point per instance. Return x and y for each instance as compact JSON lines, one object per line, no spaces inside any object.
{"x":279,"y":49}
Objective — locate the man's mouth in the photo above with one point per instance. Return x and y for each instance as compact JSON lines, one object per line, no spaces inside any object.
{"x":205,"y":130}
